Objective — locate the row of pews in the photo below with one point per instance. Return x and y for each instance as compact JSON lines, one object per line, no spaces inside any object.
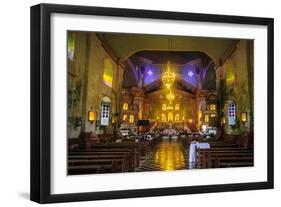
{"x":109,"y":157}
{"x":222,"y":155}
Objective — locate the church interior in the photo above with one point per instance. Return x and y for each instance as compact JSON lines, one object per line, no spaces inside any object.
{"x":141,"y":102}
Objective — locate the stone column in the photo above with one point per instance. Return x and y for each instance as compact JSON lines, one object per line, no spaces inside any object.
{"x":119,"y":77}
{"x":250,"y":70}
{"x":84,"y":94}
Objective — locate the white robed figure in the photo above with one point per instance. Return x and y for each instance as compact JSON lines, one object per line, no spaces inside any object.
{"x":193,"y":152}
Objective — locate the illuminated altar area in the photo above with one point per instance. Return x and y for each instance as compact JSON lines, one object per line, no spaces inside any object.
{"x":134,"y":90}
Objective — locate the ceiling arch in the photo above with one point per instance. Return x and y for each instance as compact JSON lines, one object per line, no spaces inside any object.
{"x":124,"y":45}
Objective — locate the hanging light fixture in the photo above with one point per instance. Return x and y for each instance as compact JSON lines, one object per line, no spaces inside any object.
{"x":168,"y":77}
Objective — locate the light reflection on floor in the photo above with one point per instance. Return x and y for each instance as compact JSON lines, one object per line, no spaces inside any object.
{"x":169,"y":155}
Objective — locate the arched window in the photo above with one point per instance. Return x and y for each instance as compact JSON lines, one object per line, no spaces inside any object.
{"x":213,"y":107}
{"x":164,"y":107}
{"x":170,"y":116}
{"x":230,"y":74}
{"x":206,"y":118}
{"x":131,"y":119}
{"x":231,"y":113}
{"x":70,"y":45}
{"x":177,"y":107}
{"x":125,"y":116}
{"x":107,"y":72}
{"x":125,"y":106}
{"x":105,"y":111}
{"x":163,"y":117}
{"x":177,"y":117}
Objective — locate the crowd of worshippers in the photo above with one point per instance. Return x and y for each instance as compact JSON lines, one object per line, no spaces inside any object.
{"x":157,"y":132}
{"x":141,"y":136}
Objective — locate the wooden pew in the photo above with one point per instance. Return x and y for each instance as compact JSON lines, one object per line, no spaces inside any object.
{"x":80,"y":160}
{"x":123,"y":145}
{"x":96,"y":166}
{"x":213,"y":159}
{"x":234,"y":161}
{"x":112,"y":164}
{"x":108,"y":157}
{"x":127,"y":155}
{"x":207,"y":158}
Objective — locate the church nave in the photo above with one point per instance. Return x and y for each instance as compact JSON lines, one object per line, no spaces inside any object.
{"x":143,"y":102}
{"x":168,"y":155}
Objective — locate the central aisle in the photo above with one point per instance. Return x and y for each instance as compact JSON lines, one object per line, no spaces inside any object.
{"x":168,"y":155}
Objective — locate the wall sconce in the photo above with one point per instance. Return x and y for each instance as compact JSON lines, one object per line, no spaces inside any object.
{"x":91,"y":116}
{"x":113,"y":120}
{"x":223,"y":120}
{"x":244,"y":117}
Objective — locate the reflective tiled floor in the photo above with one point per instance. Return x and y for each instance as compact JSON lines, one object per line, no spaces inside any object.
{"x":168,"y":155}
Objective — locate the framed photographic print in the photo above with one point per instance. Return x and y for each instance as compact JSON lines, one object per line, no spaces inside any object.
{"x":132,"y":103}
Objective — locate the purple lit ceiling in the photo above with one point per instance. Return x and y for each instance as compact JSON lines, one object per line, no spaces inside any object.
{"x":190,"y":67}
{"x":150,"y":73}
{"x":190,"y":73}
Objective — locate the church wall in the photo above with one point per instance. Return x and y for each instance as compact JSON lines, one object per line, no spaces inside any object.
{"x":76,"y":70}
{"x":235,"y":86}
{"x":88,"y":68}
{"x":97,"y":89}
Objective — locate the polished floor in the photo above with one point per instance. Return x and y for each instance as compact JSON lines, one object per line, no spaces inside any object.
{"x":168,"y":155}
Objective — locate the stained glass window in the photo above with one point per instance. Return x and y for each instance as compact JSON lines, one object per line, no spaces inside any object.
{"x":230,"y":74}
{"x":70,"y":45}
{"x":108,"y":73}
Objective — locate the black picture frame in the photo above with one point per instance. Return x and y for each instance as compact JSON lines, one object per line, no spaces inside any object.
{"x":41,"y":96}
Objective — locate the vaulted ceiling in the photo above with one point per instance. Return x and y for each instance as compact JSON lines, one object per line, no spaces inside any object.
{"x":146,"y":57}
{"x":144,"y":69}
{"x":124,"y":45}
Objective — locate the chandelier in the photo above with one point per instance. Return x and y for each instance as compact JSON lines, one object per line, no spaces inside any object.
{"x":168,"y":77}
{"x":170,"y":96}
